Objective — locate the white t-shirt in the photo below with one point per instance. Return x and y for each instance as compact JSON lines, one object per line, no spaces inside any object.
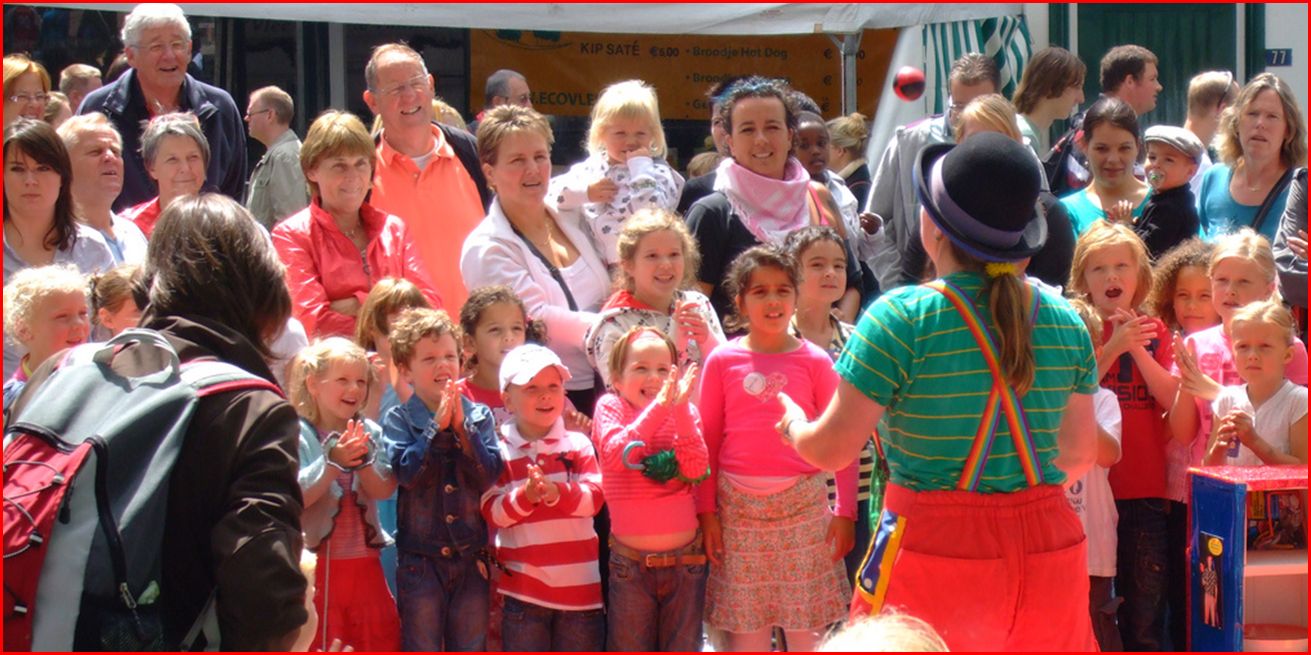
{"x":1271,"y":420}
{"x":1091,"y":497}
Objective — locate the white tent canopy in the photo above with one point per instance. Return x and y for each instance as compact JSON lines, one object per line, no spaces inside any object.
{"x":759,"y":19}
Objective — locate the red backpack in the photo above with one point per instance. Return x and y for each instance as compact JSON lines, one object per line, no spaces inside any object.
{"x":87,"y":464}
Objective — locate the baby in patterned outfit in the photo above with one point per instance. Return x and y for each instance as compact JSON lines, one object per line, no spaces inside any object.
{"x":625,"y":171}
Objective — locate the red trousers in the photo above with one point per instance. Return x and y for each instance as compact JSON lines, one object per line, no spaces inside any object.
{"x":987,"y":571}
{"x":360,"y":609}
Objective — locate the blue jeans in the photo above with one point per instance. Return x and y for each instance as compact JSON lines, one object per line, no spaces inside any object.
{"x":526,"y":627}
{"x":387,"y":519}
{"x":1141,"y":572}
{"x":864,"y":534}
{"x":655,"y":609}
{"x":442,"y":602}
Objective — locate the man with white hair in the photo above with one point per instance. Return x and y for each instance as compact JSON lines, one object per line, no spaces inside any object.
{"x":157,"y":41}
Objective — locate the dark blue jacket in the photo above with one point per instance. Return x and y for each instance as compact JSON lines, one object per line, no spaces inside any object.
{"x":220,"y":120}
{"x":437,"y":510}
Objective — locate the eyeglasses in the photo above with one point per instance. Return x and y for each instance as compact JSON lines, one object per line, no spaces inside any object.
{"x":417,"y":84}
{"x":25,"y":98}
{"x":157,"y":48}
{"x":257,"y":112}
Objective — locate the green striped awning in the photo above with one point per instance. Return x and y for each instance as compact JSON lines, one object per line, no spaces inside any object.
{"x":1005,"y":39}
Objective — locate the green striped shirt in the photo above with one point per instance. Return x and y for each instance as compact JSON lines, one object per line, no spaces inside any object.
{"x":913,"y":354}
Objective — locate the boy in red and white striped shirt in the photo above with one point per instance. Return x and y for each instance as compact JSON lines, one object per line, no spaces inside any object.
{"x":542,"y":505}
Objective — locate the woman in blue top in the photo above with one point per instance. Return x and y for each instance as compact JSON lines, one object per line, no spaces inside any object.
{"x":1110,"y":140}
{"x":1262,"y":139}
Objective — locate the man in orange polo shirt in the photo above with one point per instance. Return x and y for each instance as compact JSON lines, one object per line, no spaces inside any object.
{"x":427,"y":174}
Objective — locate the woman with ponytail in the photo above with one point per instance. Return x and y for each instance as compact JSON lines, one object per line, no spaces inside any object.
{"x":986,"y":381}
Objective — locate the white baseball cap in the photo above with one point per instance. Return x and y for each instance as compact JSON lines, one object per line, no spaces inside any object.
{"x":525,"y":362}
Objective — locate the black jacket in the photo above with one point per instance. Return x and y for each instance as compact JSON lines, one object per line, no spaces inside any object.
{"x":696,"y":189}
{"x":234,"y":502}
{"x":1169,"y":218}
{"x":220,"y":120}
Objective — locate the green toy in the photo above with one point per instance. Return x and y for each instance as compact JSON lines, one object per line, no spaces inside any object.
{"x":660,"y":467}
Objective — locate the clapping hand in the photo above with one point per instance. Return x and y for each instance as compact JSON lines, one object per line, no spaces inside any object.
{"x":351,"y":448}
{"x":677,"y":389}
{"x":1191,"y":378}
{"x":1132,"y":331}
{"x":538,"y":489}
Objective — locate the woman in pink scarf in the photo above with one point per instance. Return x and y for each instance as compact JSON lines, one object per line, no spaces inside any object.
{"x":762,"y":192}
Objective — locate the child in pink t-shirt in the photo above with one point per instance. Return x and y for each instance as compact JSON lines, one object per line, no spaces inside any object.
{"x":776,"y":547}
{"x":648,"y":434}
{"x":1242,"y":272}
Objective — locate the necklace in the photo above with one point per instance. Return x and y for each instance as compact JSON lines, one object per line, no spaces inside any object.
{"x":1247,"y":179}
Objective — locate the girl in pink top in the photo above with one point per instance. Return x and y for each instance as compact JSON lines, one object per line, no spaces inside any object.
{"x":1242,"y":272}
{"x":648,"y":434}
{"x":776,"y":547}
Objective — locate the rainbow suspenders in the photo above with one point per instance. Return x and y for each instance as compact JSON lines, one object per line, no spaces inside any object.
{"x":873,"y":577}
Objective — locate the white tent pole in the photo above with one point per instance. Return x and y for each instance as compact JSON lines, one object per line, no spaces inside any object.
{"x":849,"y":47}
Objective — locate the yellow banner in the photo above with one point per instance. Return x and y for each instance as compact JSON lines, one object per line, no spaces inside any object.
{"x":567,"y":70}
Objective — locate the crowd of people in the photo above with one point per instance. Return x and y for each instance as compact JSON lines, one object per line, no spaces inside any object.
{"x":945,"y":399}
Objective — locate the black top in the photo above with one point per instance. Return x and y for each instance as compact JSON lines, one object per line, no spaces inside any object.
{"x":1169,"y":219}
{"x":722,"y":236}
{"x":859,"y":183}
{"x":1052,"y":263}
{"x":696,"y":189}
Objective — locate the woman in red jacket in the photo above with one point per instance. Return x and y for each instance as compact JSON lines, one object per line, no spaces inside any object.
{"x":339,"y":246}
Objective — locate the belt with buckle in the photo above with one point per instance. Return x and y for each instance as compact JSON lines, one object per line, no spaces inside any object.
{"x":663,"y":560}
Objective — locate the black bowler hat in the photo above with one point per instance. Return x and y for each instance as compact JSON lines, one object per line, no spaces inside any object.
{"x":983,"y":194}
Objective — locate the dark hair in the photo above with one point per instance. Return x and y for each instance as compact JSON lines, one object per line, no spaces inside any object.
{"x":1121,"y":62}
{"x":716,"y":91}
{"x":482,"y":298}
{"x":498,"y":84}
{"x":1193,"y":252}
{"x":975,"y":68}
{"x":1050,"y":72}
{"x":800,"y":240}
{"x":36,"y":139}
{"x":746,"y":265}
{"x":755,"y":87}
{"x":802,"y":103}
{"x":209,"y":258}
{"x":1111,"y":111}
{"x":116,"y":68}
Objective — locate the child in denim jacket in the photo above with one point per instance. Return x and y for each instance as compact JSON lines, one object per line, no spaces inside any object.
{"x":443,"y":450}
